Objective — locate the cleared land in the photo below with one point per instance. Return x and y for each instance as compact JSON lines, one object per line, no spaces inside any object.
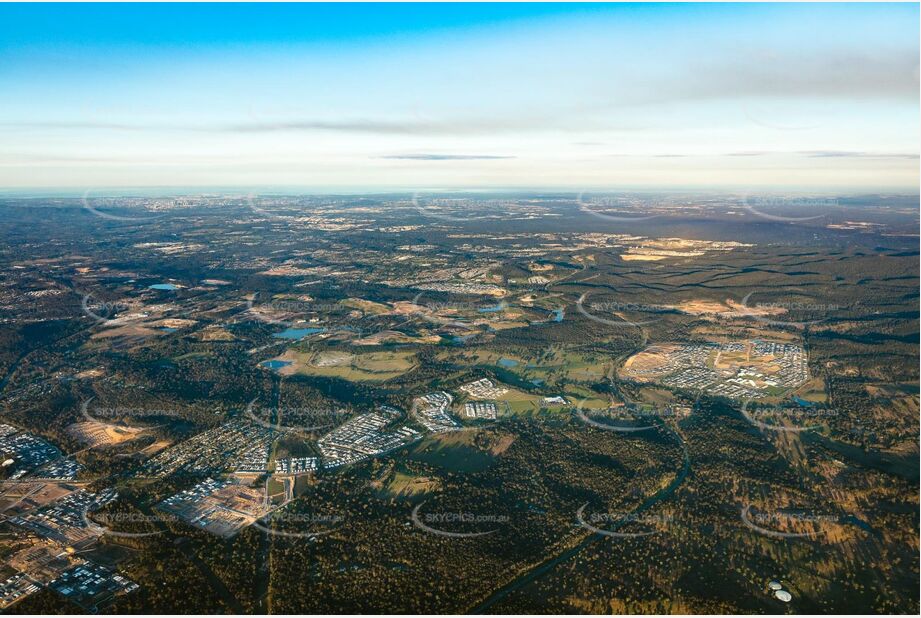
{"x":95,"y":434}
{"x":367,"y":367}
{"x":548,"y":366}
{"x":406,"y":485}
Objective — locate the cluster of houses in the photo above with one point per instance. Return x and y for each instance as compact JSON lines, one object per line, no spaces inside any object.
{"x":236,"y":444}
{"x":362,"y":437}
{"x":432,"y":412}
{"x":484,"y":388}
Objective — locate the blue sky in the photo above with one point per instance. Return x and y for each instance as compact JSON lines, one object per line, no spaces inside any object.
{"x":745,"y":97}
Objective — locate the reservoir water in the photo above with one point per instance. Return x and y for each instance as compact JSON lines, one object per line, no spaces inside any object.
{"x":297,"y":333}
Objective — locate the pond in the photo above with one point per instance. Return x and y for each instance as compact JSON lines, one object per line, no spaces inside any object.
{"x":275,"y":364}
{"x":297,"y":333}
{"x":164,"y":286}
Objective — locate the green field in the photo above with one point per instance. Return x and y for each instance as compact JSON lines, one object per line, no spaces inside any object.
{"x":453,"y":451}
{"x":366,"y":367}
{"x":547,"y":366}
{"x":404,"y":485}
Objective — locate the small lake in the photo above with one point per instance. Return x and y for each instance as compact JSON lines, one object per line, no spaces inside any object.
{"x":275,"y":364}
{"x":297,"y":333}
{"x":507,"y":362}
{"x":492,"y":309}
{"x":557,"y":315}
{"x":164,"y":286}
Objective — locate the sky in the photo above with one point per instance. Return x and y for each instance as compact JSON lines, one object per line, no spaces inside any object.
{"x":338,"y":97}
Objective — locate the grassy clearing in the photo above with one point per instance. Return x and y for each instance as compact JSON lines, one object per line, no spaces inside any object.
{"x":547,"y":366}
{"x":813,"y":390}
{"x":368,"y":367}
{"x":454,"y":451}
{"x":403,"y":485}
